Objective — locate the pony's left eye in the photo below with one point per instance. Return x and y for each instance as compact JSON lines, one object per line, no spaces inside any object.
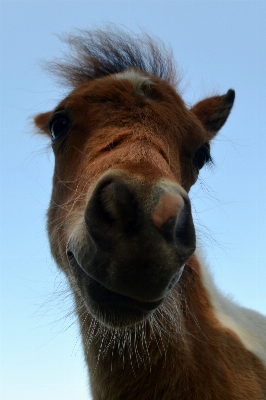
{"x":58,"y":125}
{"x":202,"y":156}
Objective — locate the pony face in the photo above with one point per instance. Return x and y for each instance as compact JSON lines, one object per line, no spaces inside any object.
{"x":127,"y":150}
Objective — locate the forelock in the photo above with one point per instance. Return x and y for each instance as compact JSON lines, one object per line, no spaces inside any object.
{"x":98,"y":53}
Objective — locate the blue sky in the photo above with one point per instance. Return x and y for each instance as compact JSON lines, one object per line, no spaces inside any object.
{"x":218,"y":45}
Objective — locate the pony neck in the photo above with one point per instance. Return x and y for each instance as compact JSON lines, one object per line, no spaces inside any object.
{"x":181,"y":351}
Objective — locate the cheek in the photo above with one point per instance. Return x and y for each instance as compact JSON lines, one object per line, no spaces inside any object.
{"x":66,"y":207}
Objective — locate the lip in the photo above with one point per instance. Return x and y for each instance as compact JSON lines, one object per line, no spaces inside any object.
{"x":103,"y":296}
{"x":176,"y":278}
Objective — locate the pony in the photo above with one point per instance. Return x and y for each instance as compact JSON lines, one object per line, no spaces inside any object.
{"x":127,"y":151}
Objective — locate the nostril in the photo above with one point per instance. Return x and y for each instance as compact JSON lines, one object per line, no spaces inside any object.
{"x":113,"y":208}
{"x":172,"y":217}
{"x":117,"y":200}
{"x":169,"y":207}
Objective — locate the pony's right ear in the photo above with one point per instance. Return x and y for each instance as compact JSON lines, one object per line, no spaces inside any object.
{"x":42,"y":122}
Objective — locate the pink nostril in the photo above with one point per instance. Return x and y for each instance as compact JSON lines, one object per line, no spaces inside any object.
{"x":169,"y":205}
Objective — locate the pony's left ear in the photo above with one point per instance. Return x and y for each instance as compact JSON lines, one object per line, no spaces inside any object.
{"x":42,"y":122}
{"x":214,"y":111}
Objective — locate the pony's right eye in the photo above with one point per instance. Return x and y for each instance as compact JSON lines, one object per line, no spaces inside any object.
{"x":58,"y":125}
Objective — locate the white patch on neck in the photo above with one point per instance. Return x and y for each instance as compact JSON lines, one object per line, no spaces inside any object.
{"x":248,"y":325}
{"x":134,"y":77}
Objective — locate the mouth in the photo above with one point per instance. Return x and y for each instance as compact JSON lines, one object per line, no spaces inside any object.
{"x":109,"y":307}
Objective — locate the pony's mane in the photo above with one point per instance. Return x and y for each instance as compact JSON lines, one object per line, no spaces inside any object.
{"x":99,"y":53}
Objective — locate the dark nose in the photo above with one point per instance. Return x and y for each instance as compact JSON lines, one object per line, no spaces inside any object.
{"x":112,"y":209}
{"x":115,"y":206}
{"x":142,"y":236}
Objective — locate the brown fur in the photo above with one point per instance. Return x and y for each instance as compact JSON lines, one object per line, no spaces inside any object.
{"x":142,"y":137}
{"x":194,"y":358}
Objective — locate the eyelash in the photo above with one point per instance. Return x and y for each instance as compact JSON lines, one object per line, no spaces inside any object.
{"x":202,"y":156}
